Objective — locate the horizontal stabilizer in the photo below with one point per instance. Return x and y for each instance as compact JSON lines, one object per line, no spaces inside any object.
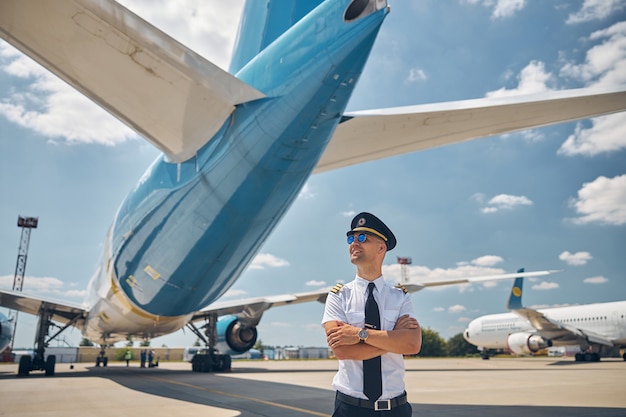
{"x":167,"y":93}
{"x":374,"y":134}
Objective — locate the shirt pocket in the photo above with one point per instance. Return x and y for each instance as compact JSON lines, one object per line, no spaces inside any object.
{"x":356,"y":318}
{"x":390,"y":318}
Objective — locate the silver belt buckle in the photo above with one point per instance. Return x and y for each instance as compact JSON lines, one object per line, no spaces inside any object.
{"x":382,"y":405}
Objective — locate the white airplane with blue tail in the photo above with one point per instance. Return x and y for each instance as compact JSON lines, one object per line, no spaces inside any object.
{"x":237,"y":147}
{"x":599,"y":329}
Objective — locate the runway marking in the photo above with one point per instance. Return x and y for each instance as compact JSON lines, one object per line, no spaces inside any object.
{"x":243,"y":397}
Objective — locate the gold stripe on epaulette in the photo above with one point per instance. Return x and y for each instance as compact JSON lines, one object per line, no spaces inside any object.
{"x":402,"y":287}
{"x":336,"y":288}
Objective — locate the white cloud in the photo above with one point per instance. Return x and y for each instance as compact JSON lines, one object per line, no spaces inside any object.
{"x":545,"y":286}
{"x":533,"y":79}
{"x":606,"y":134}
{"x":306,"y":193}
{"x":596,"y":280}
{"x":348,"y":213}
{"x":417,"y":74}
{"x":314,"y":283}
{"x":235,"y":293}
{"x":507,"y":8}
{"x":283,"y":324}
{"x":595,"y":10}
{"x":506,"y":202}
{"x":439,"y":309}
{"x":578,"y":258}
{"x":487,"y":260}
{"x":602,"y":201}
{"x":605,"y":63}
{"x":267,"y":260}
{"x":43,"y":286}
{"x":457,"y":308}
{"x":501,"y":8}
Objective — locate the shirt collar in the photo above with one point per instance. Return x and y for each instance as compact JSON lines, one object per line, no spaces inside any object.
{"x":363,"y":283}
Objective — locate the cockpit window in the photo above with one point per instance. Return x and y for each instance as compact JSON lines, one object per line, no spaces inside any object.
{"x":360,"y":8}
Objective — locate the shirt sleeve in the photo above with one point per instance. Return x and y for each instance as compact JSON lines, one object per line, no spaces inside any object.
{"x":407,"y":307}
{"x":333,"y":309}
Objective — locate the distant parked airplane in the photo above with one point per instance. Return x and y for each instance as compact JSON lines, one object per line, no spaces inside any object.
{"x":237,"y":149}
{"x":599,"y":329}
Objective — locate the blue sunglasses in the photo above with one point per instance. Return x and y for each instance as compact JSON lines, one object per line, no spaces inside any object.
{"x":361,"y":237}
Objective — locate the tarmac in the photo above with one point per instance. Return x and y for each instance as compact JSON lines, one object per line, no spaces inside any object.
{"x":472,"y":387}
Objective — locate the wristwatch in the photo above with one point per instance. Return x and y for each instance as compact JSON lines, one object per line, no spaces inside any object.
{"x":363,"y":335}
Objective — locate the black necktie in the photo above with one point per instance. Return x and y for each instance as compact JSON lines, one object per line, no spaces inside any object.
{"x":372,"y":379}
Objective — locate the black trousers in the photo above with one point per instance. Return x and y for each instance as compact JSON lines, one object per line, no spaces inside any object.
{"x":347,"y":410}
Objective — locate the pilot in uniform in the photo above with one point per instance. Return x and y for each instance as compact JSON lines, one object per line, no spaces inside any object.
{"x":364,"y":339}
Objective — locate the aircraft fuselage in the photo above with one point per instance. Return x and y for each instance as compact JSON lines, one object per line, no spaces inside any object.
{"x":188,"y":230}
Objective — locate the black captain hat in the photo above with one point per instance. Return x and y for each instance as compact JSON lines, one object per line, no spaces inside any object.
{"x":367,"y":222}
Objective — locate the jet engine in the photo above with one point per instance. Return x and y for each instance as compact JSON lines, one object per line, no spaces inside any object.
{"x":6,"y":332}
{"x":234,"y":337}
{"x":526,"y":343}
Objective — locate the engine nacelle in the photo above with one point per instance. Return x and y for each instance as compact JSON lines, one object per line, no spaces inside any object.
{"x":526,"y":343}
{"x":6,"y":332}
{"x":233,"y":338}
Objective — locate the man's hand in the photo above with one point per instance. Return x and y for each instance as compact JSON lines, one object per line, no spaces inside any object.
{"x":342,"y":335}
{"x":406,"y":322}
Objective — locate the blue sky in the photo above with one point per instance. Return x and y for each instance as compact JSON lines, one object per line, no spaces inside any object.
{"x":550,"y":198}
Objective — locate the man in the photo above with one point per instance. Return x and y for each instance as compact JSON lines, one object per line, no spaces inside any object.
{"x":370,"y":333}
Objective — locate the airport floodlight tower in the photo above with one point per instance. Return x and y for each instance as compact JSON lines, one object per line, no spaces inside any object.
{"x":26,"y":223}
{"x":404,"y":261}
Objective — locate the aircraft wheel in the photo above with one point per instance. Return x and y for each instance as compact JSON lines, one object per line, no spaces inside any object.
{"x":624,"y":356}
{"x":578,"y":357}
{"x":105,"y":361}
{"x":223,"y":363}
{"x":24,"y":367}
{"x":50,"y":363}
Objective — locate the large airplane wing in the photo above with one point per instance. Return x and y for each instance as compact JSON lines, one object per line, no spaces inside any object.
{"x":374,"y":134}
{"x":557,"y":332}
{"x":250,"y":310}
{"x":164,"y":91}
{"x":60,"y":311}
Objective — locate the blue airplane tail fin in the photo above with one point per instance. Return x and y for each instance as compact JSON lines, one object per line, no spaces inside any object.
{"x":515,"y":300}
{"x":262,"y":22}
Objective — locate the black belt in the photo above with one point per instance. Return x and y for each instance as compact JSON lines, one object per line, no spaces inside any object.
{"x":380,"y":405}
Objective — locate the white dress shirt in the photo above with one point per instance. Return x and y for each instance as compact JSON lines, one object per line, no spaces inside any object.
{"x":348,"y":306}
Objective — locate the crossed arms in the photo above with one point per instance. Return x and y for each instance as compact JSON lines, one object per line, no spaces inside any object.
{"x":343,"y":339}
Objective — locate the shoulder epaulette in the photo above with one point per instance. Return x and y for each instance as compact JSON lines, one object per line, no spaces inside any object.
{"x":402,"y":287}
{"x":336,"y":288}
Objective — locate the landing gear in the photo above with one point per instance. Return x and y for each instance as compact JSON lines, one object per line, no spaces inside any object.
{"x":210,"y":362}
{"x":39,"y":361}
{"x":50,"y":363}
{"x":587,"y":357}
{"x":24,"y":367}
{"x":102,"y":358}
{"x":209,"y":359}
